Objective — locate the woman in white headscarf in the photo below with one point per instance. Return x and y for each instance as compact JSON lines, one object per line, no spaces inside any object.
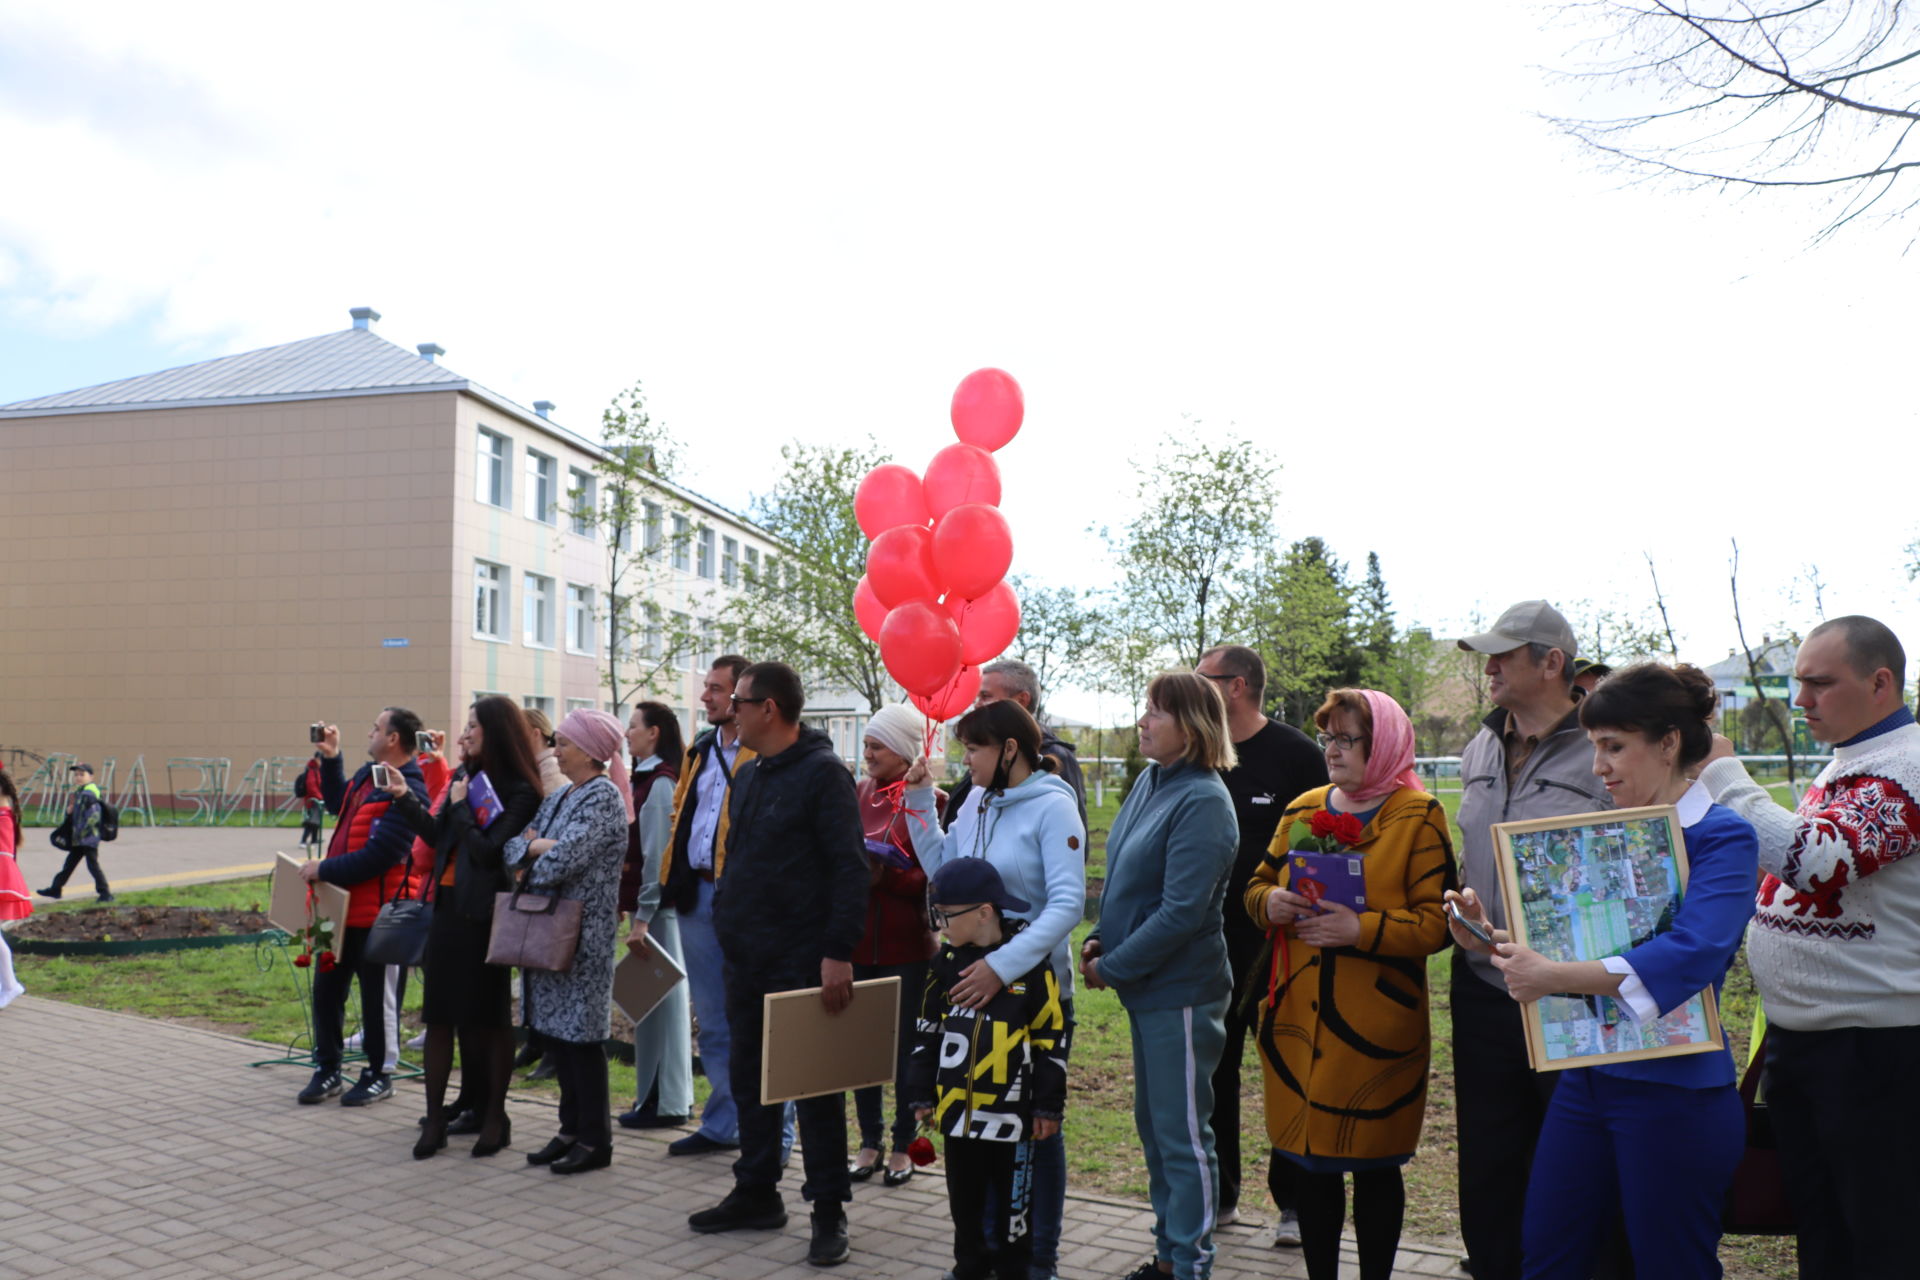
{"x":574,"y":849}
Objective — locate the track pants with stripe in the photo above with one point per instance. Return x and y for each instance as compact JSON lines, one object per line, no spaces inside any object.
{"x":1175,"y":1052}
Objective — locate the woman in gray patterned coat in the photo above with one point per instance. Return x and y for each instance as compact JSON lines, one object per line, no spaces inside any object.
{"x":574,"y":848}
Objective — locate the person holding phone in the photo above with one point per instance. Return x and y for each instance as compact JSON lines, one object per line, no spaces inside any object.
{"x":1655,"y":1142}
{"x":488,"y":801}
{"x":368,"y":856}
{"x":1342,"y":1029}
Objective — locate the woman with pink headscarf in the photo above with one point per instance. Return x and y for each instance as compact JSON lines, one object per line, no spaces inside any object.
{"x":1343,"y":1010}
{"x":574,"y":848}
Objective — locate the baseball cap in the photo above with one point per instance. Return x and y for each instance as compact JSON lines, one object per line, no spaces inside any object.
{"x":972,"y":880}
{"x":1529,"y":622}
{"x":1582,"y":665}
{"x":82,"y":768}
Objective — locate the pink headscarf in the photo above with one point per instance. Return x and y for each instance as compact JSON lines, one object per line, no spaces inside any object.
{"x":601,"y":737}
{"x":1390,"y":754}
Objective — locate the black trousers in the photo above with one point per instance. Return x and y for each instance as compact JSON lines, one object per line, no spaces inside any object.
{"x":823,"y":1120}
{"x":982,"y":1174}
{"x":330,"y":1004}
{"x":1845,"y":1107}
{"x":581,"y":1070}
{"x":1244,"y":954}
{"x":91,"y":854}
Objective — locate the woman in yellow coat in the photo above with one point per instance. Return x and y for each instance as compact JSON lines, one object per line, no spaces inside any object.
{"x":1343,"y":1018}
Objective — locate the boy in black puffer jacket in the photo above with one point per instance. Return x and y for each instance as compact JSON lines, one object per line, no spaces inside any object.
{"x":992,"y":1080}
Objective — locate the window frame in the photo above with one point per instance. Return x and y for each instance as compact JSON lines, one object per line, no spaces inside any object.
{"x":529,"y":598}
{"x":585,"y":631}
{"x":501,"y":582}
{"x":494,"y":463}
{"x":540,"y":477}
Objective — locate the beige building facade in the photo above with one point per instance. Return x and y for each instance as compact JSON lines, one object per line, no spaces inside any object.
{"x":200,"y":563}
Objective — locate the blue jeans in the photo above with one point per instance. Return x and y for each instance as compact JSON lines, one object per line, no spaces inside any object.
{"x":706,"y":979}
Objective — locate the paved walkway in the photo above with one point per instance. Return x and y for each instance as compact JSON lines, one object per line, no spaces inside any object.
{"x":149,"y":857}
{"x":138,"y":1148}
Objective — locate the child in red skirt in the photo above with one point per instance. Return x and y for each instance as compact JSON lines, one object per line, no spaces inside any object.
{"x":16,"y":900}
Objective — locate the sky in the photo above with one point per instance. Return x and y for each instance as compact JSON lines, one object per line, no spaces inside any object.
{"x":1474,"y":350}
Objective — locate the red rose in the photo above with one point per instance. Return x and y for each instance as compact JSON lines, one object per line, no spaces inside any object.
{"x":1347,"y":829}
{"x":1321,"y":824}
{"x":327,"y":962}
{"x":921,"y":1152}
{"x":302,"y":960}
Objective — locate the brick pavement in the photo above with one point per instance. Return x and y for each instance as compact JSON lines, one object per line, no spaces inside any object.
{"x":131,"y":1147}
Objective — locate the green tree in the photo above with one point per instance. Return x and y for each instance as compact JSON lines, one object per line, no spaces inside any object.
{"x":1616,"y":633}
{"x":799,"y":606}
{"x":1373,"y":630}
{"x":1302,"y":625}
{"x":642,"y":605}
{"x":1060,"y":634}
{"x":1191,"y":557}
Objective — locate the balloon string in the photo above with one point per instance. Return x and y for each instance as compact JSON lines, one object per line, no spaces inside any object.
{"x":895,"y":794}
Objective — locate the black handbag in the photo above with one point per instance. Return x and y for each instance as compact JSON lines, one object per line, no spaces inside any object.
{"x":399,"y":932}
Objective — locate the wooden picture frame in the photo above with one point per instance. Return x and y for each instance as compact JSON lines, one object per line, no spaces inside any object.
{"x":806,"y":1052}
{"x":1585,"y":887}
{"x":287,"y":901}
{"x":642,"y":980}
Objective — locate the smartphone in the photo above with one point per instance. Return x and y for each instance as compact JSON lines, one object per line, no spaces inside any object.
{"x":316,"y":732}
{"x":427,"y":740}
{"x":1453,"y":909}
{"x":382,"y":776}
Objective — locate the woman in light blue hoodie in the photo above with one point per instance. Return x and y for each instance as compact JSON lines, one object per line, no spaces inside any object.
{"x":1025,"y":821}
{"x":1160,"y":945}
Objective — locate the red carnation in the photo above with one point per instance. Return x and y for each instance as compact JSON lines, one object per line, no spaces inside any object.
{"x":302,"y":960}
{"x":1321,"y":824}
{"x":327,"y":962}
{"x":921,"y":1152}
{"x":1347,"y":829}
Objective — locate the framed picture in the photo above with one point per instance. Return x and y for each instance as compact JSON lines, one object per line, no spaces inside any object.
{"x":1589,"y":886}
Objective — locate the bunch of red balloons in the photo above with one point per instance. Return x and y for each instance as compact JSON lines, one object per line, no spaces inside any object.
{"x":934,"y":597}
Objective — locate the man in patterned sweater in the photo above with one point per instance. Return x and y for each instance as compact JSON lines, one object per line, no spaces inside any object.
{"x":1835,"y":950}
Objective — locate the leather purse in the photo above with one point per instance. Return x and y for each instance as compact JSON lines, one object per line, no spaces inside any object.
{"x":1757,"y":1200}
{"x":533,"y":930}
{"x":399,"y":932}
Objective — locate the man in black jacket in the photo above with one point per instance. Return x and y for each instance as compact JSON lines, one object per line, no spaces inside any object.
{"x":1008,"y":680}
{"x":788,"y":913}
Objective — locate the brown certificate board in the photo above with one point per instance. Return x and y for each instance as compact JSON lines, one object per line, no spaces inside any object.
{"x":287,"y":900}
{"x":642,"y":980}
{"x":806,"y":1051}
{"x":1585,"y":887}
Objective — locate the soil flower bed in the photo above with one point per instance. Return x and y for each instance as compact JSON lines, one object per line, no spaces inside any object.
{"x":137,"y":924}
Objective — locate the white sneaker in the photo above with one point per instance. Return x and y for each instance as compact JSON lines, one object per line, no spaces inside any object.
{"x":419,"y":1041}
{"x":1286,"y":1232}
{"x":1228,"y":1219}
{"x":11,"y":994}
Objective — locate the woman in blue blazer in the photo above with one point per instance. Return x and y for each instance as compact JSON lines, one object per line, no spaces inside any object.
{"x":1655,"y":1141}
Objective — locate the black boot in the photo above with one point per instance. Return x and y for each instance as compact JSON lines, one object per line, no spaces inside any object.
{"x":829,"y":1247}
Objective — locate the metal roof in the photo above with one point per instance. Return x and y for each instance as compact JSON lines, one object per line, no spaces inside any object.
{"x":350,"y":362}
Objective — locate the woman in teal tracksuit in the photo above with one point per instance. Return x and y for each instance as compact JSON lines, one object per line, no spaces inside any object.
{"x":1159,"y":945}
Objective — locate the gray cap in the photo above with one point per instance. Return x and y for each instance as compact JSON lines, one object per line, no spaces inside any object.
{"x":1529,"y":622}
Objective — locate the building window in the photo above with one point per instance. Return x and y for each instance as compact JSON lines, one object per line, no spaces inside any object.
{"x":650,"y":527}
{"x":579,"y":619}
{"x":492,"y":472}
{"x":654,"y":645}
{"x":682,"y":641}
{"x":542,"y":479}
{"x":579,"y":704}
{"x":730,"y":561}
{"x":489,"y":601}
{"x":706,"y":553}
{"x":543,"y":705}
{"x":680,"y":539}
{"x":538,"y":624}
{"x":753,"y":565}
{"x":582,"y":496}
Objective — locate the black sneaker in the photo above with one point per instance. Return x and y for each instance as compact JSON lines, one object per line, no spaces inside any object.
{"x":371,"y":1088}
{"x":49,"y":892}
{"x":829,"y":1247}
{"x":325,"y":1084}
{"x":103,"y":897}
{"x":743,"y":1210}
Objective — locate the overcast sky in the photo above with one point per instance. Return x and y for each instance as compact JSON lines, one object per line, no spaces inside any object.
{"x":1351,"y":240}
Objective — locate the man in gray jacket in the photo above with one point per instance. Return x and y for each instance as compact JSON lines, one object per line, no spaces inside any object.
{"x":1530,"y":760}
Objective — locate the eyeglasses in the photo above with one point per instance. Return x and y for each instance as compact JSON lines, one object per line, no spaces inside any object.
{"x":736,"y":699}
{"x":1344,"y":741}
{"x":938,"y":919}
{"x":1208,"y":675}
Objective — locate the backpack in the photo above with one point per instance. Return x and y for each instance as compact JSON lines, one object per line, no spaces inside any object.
{"x":109,"y":822}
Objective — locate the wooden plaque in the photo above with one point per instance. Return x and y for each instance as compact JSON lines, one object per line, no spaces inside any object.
{"x":287,"y":901}
{"x":806,"y":1051}
{"x":642,"y":981}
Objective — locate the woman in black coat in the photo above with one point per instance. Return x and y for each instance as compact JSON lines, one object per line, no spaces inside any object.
{"x":464,"y":994}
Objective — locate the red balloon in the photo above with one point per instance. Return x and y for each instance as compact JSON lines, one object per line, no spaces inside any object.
{"x":988,"y":408}
{"x":953,"y":698}
{"x":920,"y":646}
{"x":972,"y":550}
{"x":889,"y":496}
{"x":960,"y":473}
{"x":987,"y":625}
{"x":900,"y":566}
{"x":867,"y":609}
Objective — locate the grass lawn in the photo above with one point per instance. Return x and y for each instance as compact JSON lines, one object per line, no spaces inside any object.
{"x":249,"y":991}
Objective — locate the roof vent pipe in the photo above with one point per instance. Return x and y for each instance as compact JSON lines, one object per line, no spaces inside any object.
{"x":544,"y":408}
{"x":364,"y":317}
{"x":428,"y":350}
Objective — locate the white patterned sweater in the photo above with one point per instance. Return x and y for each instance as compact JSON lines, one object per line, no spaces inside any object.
{"x":1835,"y":940}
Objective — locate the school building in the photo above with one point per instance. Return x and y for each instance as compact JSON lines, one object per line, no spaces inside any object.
{"x":201,"y":562}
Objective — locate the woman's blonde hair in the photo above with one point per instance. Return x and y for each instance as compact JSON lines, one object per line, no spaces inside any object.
{"x":1197,"y":707}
